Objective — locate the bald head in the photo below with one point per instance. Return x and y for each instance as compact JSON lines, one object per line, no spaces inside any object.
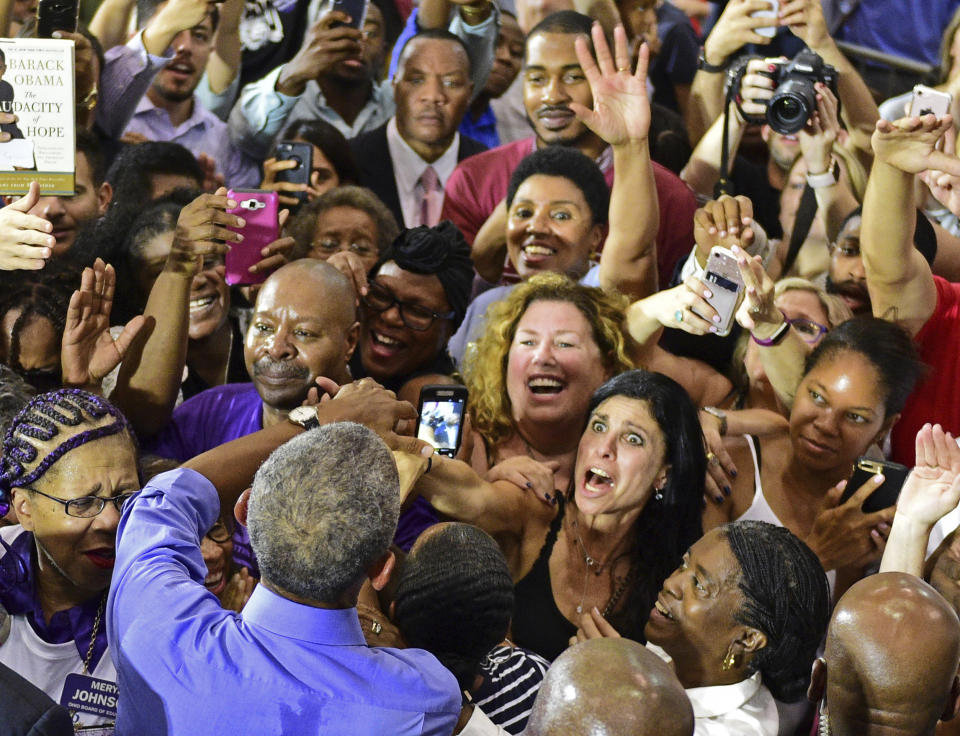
{"x":610,"y":687}
{"x":893,"y":648}
{"x":303,"y":326}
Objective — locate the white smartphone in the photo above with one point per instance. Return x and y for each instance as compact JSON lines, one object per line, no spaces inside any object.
{"x":722,"y":277}
{"x":927,"y":100}
{"x":768,"y":31}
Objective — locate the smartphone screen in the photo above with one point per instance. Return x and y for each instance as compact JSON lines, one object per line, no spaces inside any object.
{"x":441,"y":422}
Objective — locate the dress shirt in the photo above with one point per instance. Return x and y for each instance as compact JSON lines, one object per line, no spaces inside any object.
{"x":262,"y":112}
{"x":279,"y":667}
{"x":127,"y":74}
{"x":745,"y":708}
{"x":408,"y":167}
{"x":202,"y":132}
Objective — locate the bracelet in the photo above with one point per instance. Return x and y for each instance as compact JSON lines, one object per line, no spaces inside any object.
{"x":827,"y":179}
{"x":775,"y":338}
{"x":719,"y":414}
{"x":706,"y":66}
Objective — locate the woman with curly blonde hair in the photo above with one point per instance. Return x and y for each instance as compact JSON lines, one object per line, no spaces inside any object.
{"x":541,"y":413}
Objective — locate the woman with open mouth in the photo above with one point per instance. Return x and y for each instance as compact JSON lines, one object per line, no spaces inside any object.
{"x":610,"y":540}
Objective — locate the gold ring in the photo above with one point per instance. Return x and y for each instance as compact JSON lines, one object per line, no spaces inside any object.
{"x":711,"y":458}
{"x":623,"y":68}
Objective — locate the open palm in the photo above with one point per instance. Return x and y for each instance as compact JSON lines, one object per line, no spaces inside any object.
{"x":933,"y":487}
{"x":88,"y":351}
{"x":621,"y":110}
{"x":909,"y":144}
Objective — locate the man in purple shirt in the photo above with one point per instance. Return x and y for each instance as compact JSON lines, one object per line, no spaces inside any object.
{"x":170,"y":111}
{"x":303,"y":326}
{"x":321,"y":514}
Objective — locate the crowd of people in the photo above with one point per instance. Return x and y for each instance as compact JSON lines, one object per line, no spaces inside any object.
{"x":702,"y":291}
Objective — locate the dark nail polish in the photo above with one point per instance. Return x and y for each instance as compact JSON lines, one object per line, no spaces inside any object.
{"x":726,"y":490}
{"x":719,"y":499}
{"x":529,"y":484}
{"x":733,"y":473}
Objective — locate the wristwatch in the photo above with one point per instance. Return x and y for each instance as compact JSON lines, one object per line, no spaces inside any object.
{"x":719,"y":414}
{"x":827,"y":179}
{"x":305,"y":416}
{"x":706,"y":66}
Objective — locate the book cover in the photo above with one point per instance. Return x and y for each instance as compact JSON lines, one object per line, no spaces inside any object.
{"x":37,"y":85}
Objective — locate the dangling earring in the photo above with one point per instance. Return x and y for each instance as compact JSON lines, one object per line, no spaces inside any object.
{"x":658,"y":493}
{"x":731,"y":661}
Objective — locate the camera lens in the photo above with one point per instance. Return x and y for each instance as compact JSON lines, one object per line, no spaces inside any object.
{"x":791,"y":106}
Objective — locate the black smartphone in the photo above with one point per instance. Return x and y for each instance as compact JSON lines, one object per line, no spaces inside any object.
{"x":56,"y":15}
{"x":894,"y":476}
{"x":441,"y":417}
{"x":356,"y":9}
{"x":302,"y":154}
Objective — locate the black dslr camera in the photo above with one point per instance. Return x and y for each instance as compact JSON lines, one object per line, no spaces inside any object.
{"x":795,"y":98}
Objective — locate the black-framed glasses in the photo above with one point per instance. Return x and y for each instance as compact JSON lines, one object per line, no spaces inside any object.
{"x":415,"y":316}
{"x":219,"y":532}
{"x":808,"y":330}
{"x":87,"y":507}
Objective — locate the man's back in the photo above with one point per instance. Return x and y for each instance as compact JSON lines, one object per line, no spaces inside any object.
{"x":187,"y":666}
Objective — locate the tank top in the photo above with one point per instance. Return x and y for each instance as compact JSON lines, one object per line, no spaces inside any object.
{"x":538,"y":624}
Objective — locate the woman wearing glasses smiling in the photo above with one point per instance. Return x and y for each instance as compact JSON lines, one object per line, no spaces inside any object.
{"x":69,"y":463}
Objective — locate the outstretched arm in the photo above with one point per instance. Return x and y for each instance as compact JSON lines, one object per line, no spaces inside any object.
{"x":898,"y":277}
{"x":932,"y":490}
{"x":621,"y":117}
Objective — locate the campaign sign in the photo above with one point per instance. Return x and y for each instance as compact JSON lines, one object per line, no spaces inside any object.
{"x":85,"y":694}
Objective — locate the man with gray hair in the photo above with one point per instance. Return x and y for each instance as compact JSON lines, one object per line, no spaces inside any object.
{"x":322,"y":511}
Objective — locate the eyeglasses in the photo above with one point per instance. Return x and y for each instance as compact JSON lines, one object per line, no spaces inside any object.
{"x":87,"y":507}
{"x":379,"y":298}
{"x":220,"y":532}
{"x":808,"y":330}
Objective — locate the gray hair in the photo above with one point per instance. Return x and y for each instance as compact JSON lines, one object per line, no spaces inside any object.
{"x":323,"y":507}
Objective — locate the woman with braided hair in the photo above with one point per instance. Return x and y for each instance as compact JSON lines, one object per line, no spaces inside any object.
{"x":69,"y":462}
{"x":741,"y":620}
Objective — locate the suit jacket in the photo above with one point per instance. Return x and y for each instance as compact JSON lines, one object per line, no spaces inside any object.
{"x":27,"y":711}
{"x":372,"y":155}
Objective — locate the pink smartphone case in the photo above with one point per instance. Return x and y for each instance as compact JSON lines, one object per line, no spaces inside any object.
{"x":260,"y":210}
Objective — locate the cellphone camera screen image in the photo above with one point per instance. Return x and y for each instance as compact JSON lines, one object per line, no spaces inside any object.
{"x":440,"y":424}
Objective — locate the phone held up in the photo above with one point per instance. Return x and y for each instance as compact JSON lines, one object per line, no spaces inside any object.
{"x":926,"y":101}
{"x":886,"y":494}
{"x":441,"y":417}
{"x":356,"y":9}
{"x":259,"y":209}
{"x":722,"y":277}
{"x":56,"y":15}
{"x":302,"y":155}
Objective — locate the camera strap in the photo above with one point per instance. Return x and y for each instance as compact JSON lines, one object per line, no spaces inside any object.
{"x":806,"y":211}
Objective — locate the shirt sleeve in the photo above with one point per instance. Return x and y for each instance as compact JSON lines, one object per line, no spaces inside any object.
{"x":481,"y":41}
{"x":259,"y":115}
{"x":218,"y":103}
{"x":127,"y":74}
{"x":159,"y":569}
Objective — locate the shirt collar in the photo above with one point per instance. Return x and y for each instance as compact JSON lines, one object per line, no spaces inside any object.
{"x":18,"y":596}
{"x":408,"y":166}
{"x":709,"y":702}
{"x":284,"y":617}
{"x":200,"y":116}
